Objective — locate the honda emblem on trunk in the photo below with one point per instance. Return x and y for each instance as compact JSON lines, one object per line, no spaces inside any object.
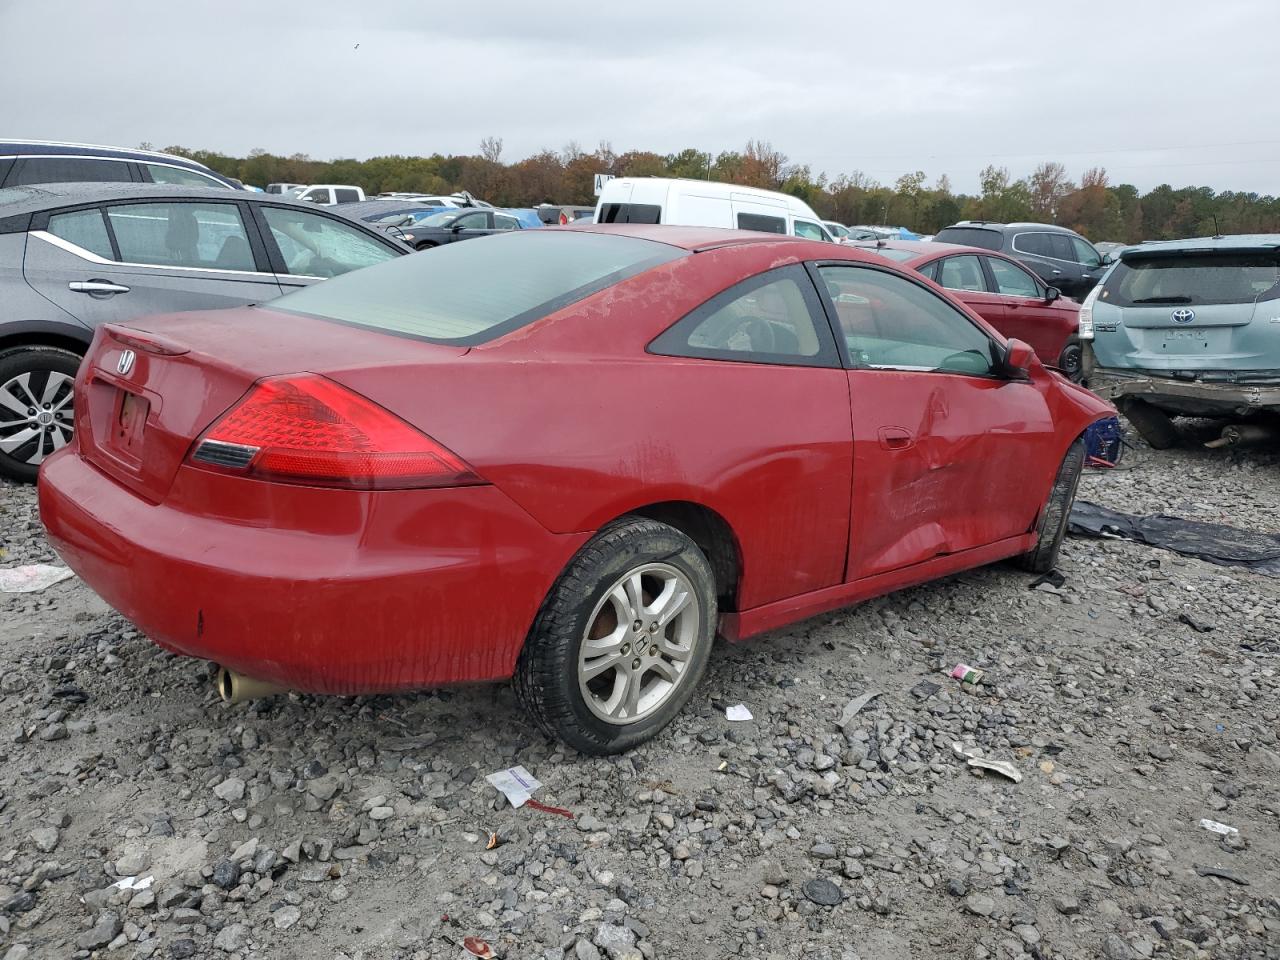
{"x":125,"y":363}
{"x":1183,"y":315}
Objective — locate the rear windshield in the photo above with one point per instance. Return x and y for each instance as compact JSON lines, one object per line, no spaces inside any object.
{"x":1194,"y":279}
{"x":468,"y":293}
{"x":969,"y":237}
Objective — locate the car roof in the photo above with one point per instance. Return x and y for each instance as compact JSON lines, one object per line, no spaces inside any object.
{"x":37,"y":197}
{"x":924,"y":249}
{"x":62,"y":147}
{"x":1025,"y":225}
{"x":1239,"y":241}
{"x":696,"y":239}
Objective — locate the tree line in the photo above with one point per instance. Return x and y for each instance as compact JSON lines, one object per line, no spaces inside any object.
{"x":1095,"y":207}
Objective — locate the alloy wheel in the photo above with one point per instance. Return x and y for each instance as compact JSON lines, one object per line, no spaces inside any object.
{"x":36,"y":410}
{"x":639,"y":643}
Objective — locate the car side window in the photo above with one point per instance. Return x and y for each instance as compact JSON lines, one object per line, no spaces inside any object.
{"x":1036,"y":244}
{"x":346,"y":196}
{"x":85,"y":228}
{"x":888,"y":322}
{"x":774,"y":317}
{"x":1011,"y":280}
{"x":1084,"y":253}
{"x":503,"y":222}
{"x":472,"y":221}
{"x":68,"y":170}
{"x":762,"y":222}
{"x":962,"y":273}
{"x":314,"y":245}
{"x":201,"y":235}
{"x":161,"y":173}
{"x":809,"y":230}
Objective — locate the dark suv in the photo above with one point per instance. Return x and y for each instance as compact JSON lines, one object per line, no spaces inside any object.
{"x":1060,"y":257}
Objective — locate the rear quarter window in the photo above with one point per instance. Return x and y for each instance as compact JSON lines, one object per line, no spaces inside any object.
{"x":970,"y":237}
{"x":469,"y":293}
{"x":630,"y":213}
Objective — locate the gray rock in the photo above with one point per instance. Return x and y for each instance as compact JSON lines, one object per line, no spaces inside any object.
{"x":323,"y":788}
{"x":133,"y":863}
{"x":182,"y":949}
{"x":1067,"y":906}
{"x":45,"y":838}
{"x":613,"y":939}
{"x":226,"y":874}
{"x":231,"y":937}
{"x":286,"y":917}
{"x":106,"y":929}
{"x":231,"y":790}
{"x":979,"y":904}
{"x":19,"y":951}
{"x":1114,"y":948}
{"x":823,"y":851}
{"x":823,"y":892}
{"x":586,"y":950}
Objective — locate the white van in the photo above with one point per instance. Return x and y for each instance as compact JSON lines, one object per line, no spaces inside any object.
{"x":706,"y":203}
{"x":327,"y":194}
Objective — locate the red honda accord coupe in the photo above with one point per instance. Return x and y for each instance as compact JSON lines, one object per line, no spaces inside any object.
{"x":1003,"y":292}
{"x":571,"y":456}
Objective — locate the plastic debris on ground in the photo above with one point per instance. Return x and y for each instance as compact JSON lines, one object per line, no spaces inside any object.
{"x":978,"y":761}
{"x":32,"y":578}
{"x":966,"y":674}
{"x":1213,"y":826}
{"x":133,"y":883}
{"x":925,"y":689}
{"x":516,"y":783}
{"x":854,"y":707}
{"x":476,"y":947}
{"x":1214,"y":542}
{"x":1104,"y":443}
{"x":738,"y":712}
{"x":1053,"y":578}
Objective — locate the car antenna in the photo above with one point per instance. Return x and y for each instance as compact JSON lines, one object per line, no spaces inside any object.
{"x":1217,"y":234}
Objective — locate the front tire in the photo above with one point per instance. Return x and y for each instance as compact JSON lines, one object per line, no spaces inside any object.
{"x":1053,"y":519}
{"x":36,"y":398}
{"x":1071,"y":361}
{"x":622,"y":639}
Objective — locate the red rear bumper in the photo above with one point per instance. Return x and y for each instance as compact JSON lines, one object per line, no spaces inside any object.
{"x":321,"y":590}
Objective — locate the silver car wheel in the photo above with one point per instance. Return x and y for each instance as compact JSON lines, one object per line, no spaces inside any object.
{"x":638,"y":643}
{"x":36,"y":410}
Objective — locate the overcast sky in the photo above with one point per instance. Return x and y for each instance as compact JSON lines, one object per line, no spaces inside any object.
{"x":1176,"y":91}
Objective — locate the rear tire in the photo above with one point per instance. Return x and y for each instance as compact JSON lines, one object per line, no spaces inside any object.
{"x":1053,"y":519}
{"x":587,"y":674}
{"x":1071,"y":361}
{"x":1152,"y":424}
{"x":424,"y":246}
{"x":35,"y":407}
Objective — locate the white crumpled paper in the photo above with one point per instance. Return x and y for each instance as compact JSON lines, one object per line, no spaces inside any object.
{"x":739,"y":712}
{"x":517,"y":784}
{"x":32,"y":578}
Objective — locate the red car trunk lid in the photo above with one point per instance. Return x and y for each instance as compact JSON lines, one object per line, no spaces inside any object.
{"x":148,"y":390}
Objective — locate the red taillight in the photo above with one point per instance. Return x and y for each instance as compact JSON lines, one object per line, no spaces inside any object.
{"x":306,"y":429}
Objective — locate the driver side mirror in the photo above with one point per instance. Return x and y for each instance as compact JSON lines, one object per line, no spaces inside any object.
{"x":1107,"y":260}
{"x":1018,"y":358}
{"x":1051,"y":294}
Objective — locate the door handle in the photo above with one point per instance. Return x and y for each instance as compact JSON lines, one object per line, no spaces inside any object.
{"x":896,"y":438}
{"x":96,"y":287}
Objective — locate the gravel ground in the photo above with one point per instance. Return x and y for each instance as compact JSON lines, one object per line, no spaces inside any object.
{"x":357,"y":828}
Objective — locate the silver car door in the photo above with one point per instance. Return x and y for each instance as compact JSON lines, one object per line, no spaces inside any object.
{"x":119,"y":261}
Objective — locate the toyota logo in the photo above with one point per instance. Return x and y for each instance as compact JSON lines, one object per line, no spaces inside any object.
{"x":125,"y":363}
{"x":1183,"y":315}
